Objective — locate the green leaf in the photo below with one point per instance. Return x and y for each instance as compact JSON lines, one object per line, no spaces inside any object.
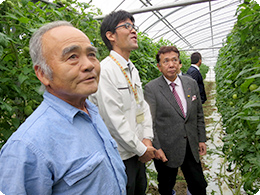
{"x":4,"y":80}
{"x":250,"y":118}
{"x":258,"y":128}
{"x":1,"y":50}
{"x":11,"y":16}
{"x":23,"y":20}
{"x":27,"y":70}
{"x":246,"y":71}
{"x":258,"y":132}
{"x":22,"y":78}
{"x":252,"y":105}
{"x":244,"y":34}
{"x":6,"y":133}
{"x":258,"y":89}
{"x":254,"y":76}
{"x":24,"y":2}
{"x":16,"y":122}
{"x":5,"y":106}
{"x":3,"y":40}
{"x":245,"y":85}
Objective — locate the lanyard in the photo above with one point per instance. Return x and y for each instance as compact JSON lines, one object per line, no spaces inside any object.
{"x":127,"y":78}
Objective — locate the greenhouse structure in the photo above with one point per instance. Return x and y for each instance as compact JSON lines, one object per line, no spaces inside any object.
{"x":225,"y":32}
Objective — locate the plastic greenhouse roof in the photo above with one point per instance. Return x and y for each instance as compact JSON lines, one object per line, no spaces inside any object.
{"x":192,"y":25}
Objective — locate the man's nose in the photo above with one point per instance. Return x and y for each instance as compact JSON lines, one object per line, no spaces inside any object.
{"x":87,"y":64}
{"x":172,"y":63}
{"x":133,"y":31}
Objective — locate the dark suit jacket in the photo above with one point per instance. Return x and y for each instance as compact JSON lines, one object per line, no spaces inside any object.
{"x":195,"y":74}
{"x":171,"y":129}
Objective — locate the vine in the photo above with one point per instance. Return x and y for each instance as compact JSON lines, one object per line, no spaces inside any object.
{"x":238,"y":99}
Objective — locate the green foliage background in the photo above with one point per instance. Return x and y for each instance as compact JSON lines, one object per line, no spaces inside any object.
{"x":238,"y":94}
{"x":19,"y":94}
{"x":18,"y":84}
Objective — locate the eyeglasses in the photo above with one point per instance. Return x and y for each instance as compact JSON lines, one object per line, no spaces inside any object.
{"x":167,"y":61}
{"x":128,"y":26}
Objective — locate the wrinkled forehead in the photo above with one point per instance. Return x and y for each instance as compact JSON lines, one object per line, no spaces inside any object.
{"x":64,"y":33}
{"x":63,"y":36}
{"x":169,"y":55}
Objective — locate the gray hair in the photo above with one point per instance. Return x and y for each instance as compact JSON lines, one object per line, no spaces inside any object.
{"x":36,"y":47}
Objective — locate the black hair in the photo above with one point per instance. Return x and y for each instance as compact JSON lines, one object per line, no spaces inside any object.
{"x":111,"y":21}
{"x":166,"y":49}
{"x":195,"y":57}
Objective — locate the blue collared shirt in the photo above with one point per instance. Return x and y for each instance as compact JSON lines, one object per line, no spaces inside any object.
{"x":60,"y":150}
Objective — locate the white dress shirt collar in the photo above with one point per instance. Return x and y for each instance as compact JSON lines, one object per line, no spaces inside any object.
{"x":177,"y":81}
{"x":180,"y":91}
{"x":194,"y":65}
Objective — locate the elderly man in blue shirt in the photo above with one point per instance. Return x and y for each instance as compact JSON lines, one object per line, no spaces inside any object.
{"x":63,"y":147}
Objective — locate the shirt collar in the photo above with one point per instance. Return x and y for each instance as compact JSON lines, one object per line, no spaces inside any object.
{"x":65,"y":109}
{"x":177,"y":81}
{"x":194,"y":65}
{"x":121,"y":60}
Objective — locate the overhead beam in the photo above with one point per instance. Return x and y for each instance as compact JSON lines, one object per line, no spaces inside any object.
{"x":198,"y":49}
{"x":160,"y":7}
{"x":168,"y":24}
{"x":193,"y":19}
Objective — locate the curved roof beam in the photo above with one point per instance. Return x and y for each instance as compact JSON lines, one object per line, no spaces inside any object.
{"x":160,"y":7}
{"x":168,"y":24}
{"x":209,"y":38}
{"x":164,"y":17}
{"x":119,"y":5}
{"x":194,"y":32}
{"x":178,"y":19}
{"x":211,"y":29}
{"x":216,"y":24}
{"x":197,"y":18}
{"x":145,"y":20}
{"x":198,"y":49}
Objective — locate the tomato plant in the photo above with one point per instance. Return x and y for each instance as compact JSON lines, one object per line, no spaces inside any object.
{"x":238,"y":80}
{"x":19,"y":94}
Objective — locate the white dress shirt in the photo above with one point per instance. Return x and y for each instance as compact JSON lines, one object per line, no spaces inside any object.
{"x":179,"y":90}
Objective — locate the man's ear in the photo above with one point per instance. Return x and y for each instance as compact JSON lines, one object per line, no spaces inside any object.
{"x":41,"y":76}
{"x":110,"y":36}
{"x":200,"y":61}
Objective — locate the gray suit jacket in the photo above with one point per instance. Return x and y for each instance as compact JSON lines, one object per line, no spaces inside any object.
{"x":171,"y":129}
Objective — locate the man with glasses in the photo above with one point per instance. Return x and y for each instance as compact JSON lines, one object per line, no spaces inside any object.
{"x":120,"y":100}
{"x":178,"y":124}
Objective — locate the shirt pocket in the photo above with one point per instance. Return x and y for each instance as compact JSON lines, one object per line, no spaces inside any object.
{"x":86,"y":167}
{"x":125,"y":94}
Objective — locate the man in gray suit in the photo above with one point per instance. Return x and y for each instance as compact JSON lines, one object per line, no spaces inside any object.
{"x":178,"y":123}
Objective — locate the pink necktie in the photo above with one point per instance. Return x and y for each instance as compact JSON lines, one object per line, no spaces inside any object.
{"x":177,"y":98}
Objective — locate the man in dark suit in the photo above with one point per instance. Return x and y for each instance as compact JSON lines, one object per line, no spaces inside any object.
{"x":194,"y":72}
{"x":179,"y":129}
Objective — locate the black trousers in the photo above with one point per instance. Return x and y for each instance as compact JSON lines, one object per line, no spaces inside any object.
{"x":136,"y":176}
{"x":192,"y":172}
